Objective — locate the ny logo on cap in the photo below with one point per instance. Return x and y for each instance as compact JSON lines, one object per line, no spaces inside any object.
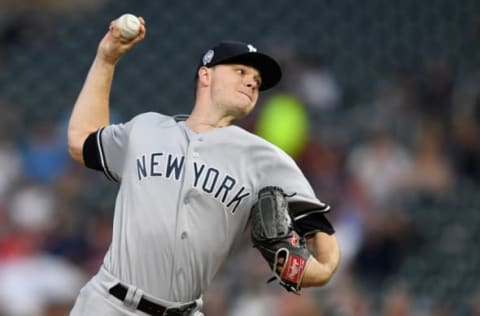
{"x":251,"y":48}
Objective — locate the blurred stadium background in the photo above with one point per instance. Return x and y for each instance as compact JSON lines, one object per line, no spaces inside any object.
{"x":389,"y":91}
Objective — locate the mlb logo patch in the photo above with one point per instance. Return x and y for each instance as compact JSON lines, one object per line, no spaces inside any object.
{"x":207,"y":58}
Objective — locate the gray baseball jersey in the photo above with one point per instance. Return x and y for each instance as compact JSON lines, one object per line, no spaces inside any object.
{"x":184,"y":197}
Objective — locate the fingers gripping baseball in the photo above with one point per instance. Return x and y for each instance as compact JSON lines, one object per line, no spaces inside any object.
{"x":120,"y":38}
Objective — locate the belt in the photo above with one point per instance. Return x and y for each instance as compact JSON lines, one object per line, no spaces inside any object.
{"x":149,"y":307}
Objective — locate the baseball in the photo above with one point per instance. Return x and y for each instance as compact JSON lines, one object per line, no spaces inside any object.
{"x":129,"y":25}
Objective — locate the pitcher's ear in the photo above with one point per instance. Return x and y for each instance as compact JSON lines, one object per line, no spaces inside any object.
{"x":203,"y":74}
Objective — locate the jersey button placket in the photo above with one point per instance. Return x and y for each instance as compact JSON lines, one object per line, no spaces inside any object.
{"x":186,"y":200}
{"x":195,"y":153}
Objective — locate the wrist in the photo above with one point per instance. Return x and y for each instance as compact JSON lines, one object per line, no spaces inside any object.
{"x":106,"y":60}
{"x":105,"y":63}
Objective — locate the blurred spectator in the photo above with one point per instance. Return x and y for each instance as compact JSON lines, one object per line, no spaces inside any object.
{"x":322,"y":165}
{"x":431,"y":177}
{"x":32,"y":206}
{"x":44,"y":154}
{"x":475,"y":303}
{"x":465,"y":148}
{"x":380,"y":164}
{"x":215,"y":300}
{"x":348,"y":299}
{"x":30,"y":279}
{"x":435,"y":89}
{"x":32,"y":283}
{"x":441,"y":308}
{"x":311,"y":80}
{"x":464,"y":142}
{"x":378,"y":168}
{"x":98,"y":238}
{"x":9,"y":166}
{"x":349,"y":218}
{"x":254,"y":303}
{"x":303,"y":305}
{"x":254,"y":297}
{"x":388,"y":239}
{"x":395,"y":104}
{"x":398,"y":302}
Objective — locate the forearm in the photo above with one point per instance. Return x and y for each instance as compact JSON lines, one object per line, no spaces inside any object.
{"x":319,"y":271}
{"x":91,"y":110}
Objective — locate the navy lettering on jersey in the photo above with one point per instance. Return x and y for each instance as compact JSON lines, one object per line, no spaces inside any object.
{"x":197,"y":173}
{"x":141,"y":168}
{"x":159,"y":165}
{"x":210,"y":180}
{"x":154,"y":163}
{"x":211,"y":176}
{"x":173,"y":165}
{"x":238,"y":198}
{"x":227,"y":184}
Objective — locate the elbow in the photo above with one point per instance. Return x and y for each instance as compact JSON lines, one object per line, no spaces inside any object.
{"x":328,"y":273}
{"x":332,"y":264}
{"x":323,"y":281}
{"x":75,"y":154}
{"x":75,"y":146}
{"x":332,"y":268}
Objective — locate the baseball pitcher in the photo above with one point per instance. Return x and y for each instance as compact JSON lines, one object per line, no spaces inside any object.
{"x":189,"y":185}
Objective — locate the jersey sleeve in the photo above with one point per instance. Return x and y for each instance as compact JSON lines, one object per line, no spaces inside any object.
{"x":279,"y":169}
{"x":105,"y":150}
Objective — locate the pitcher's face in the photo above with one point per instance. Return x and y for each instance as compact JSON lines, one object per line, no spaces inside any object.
{"x":234,"y":88}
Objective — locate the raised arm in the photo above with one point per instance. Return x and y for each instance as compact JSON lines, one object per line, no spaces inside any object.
{"x":91,"y":110}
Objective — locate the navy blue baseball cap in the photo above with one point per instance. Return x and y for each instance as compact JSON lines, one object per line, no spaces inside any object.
{"x":233,"y":52}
